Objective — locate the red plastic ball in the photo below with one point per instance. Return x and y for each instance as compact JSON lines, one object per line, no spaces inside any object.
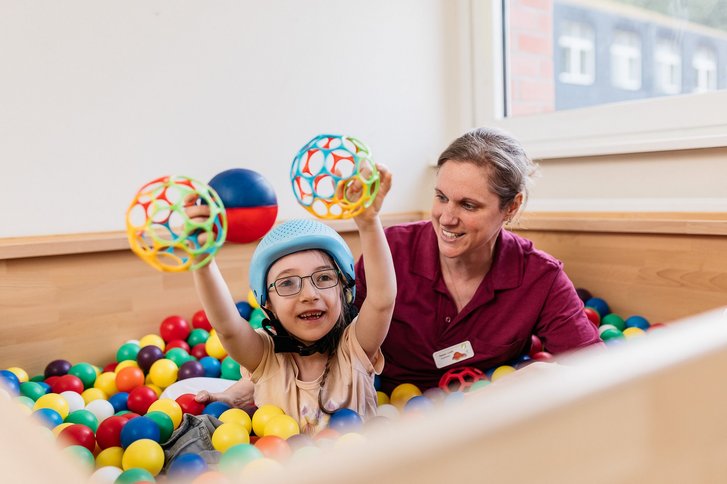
{"x":199,"y":320}
{"x":542,"y":356}
{"x":593,"y":316}
{"x":460,"y":379}
{"x":140,"y":399}
{"x":51,"y":380}
{"x":174,"y":327}
{"x":199,"y":351}
{"x":108,"y":433}
{"x":189,"y":405}
{"x":274,"y":447}
{"x":110,"y":367}
{"x":177,"y":343}
{"x":67,"y":383}
{"x":536,"y":346}
{"x":78,"y":434}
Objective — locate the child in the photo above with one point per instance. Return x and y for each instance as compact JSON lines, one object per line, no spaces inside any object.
{"x":314,"y":355}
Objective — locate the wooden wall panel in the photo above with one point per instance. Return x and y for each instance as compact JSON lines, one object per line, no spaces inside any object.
{"x":82,"y":307}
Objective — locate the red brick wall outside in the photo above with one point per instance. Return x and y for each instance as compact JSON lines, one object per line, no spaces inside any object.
{"x":531,"y":82}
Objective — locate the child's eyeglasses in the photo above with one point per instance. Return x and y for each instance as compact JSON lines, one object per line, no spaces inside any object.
{"x":292,"y":285}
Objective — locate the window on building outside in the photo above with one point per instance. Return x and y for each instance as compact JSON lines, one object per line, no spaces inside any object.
{"x":705,"y":69}
{"x":626,"y":60}
{"x":577,"y":44}
{"x":668,"y":67}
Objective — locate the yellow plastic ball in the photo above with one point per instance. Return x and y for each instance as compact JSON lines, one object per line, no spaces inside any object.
{"x":126,"y":364}
{"x":152,"y":340}
{"x":229,"y":434}
{"x":55,"y":402}
{"x":282,"y":426}
{"x":237,"y":415}
{"x":403,"y":393}
{"x":501,"y":371}
{"x":106,"y":382}
{"x":91,"y":394}
{"x":110,"y":456}
{"x":59,"y":428}
{"x":20,"y":373}
{"x":169,"y":407}
{"x":262,"y":416}
{"x":144,"y":454}
{"x":349,"y":439}
{"x":156,"y":389}
{"x":214,"y":347}
{"x":381,"y":398}
{"x":163,"y":372}
{"x":251,"y":300}
{"x":633,"y":332}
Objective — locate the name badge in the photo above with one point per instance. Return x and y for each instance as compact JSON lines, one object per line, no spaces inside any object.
{"x":453,"y":354}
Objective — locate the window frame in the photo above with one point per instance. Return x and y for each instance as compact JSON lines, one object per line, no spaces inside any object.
{"x":685,"y":121}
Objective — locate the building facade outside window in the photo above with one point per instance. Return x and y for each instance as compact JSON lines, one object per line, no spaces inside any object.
{"x":705,"y":69}
{"x":626,"y":60}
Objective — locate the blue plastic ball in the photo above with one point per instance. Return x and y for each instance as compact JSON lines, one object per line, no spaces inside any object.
{"x":215,"y":409}
{"x":10,"y":381}
{"x":599,"y":305}
{"x":418,"y":402}
{"x":118,"y":401}
{"x":637,"y":322}
{"x":212,"y":366}
{"x":377,"y":382}
{"x":187,"y":466}
{"x":48,"y":417}
{"x":244,"y":308}
{"x":139,"y":428}
{"x":345,"y":420}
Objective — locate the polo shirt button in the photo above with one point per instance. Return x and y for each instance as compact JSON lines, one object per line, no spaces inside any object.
{"x":447,"y":320}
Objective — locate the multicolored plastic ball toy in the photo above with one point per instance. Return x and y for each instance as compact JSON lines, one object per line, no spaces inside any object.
{"x":161,"y":233}
{"x":460,"y":379}
{"x":325,"y":168}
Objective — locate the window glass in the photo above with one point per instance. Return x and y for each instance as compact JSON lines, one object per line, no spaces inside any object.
{"x":566,"y":54}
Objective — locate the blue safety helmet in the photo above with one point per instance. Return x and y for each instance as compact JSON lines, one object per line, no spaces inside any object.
{"x":295,"y":236}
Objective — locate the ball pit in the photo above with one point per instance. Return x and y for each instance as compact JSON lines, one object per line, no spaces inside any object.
{"x":111,"y":412}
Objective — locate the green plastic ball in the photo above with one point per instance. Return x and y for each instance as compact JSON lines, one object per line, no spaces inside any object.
{"x":86,"y":372}
{"x":164,"y":422}
{"x":134,"y":475}
{"x":81,"y":454}
{"x":230,"y":369}
{"x":611,"y":333}
{"x":83,"y":417}
{"x":614,"y":320}
{"x":27,"y":401}
{"x":237,"y":457}
{"x":197,"y":336}
{"x":38,"y":378}
{"x":32,"y":390}
{"x":256,"y":318}
{"x":178,"y":355}
{"x":127,"y":351}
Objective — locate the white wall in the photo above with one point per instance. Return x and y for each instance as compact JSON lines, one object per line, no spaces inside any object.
{"x":97,"y":98}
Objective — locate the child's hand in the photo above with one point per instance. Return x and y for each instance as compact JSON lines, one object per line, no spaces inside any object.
{"x":372,"y":212}
{"x":196,"y":213}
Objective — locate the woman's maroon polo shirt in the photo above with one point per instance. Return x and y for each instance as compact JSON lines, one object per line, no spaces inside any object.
{"x":525,"y":292}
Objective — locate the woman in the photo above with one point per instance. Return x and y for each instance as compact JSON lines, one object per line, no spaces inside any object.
{"x":471,"y":293}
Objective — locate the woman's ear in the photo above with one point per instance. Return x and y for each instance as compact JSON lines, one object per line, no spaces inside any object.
{"x":514,"y":207}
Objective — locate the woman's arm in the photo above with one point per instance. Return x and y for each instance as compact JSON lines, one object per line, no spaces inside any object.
{"x":375,"y":315}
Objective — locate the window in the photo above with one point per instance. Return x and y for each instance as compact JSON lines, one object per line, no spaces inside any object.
{"x":563,"y":75}
{"x":668,"y":67}
{"x":626,"y":60}
{"x":705,"y":69}
{"x":577,"y":53}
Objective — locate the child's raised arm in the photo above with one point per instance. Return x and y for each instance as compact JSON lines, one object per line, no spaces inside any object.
{"x":238,"y":338}
{"x":375,"y":315}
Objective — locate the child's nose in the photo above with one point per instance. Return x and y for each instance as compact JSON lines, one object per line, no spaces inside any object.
{"x":308,"y":289}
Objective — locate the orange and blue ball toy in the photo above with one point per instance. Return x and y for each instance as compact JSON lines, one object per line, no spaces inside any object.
{"x":251,"y":206}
